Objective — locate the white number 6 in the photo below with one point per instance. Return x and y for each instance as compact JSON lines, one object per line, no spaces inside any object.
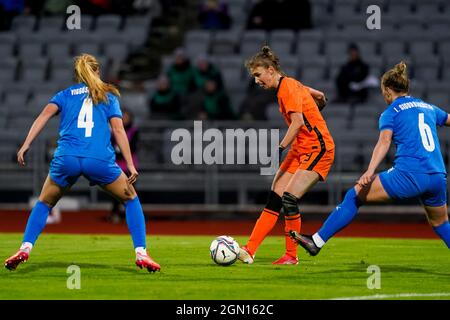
{"x":426,"y":134}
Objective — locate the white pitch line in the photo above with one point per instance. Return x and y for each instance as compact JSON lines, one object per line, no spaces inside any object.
{"x":399,"y":295}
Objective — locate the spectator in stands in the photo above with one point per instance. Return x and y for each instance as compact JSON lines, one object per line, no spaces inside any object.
{"x":254,"y":105}
{"x":181,"y":74}
{"x":211,"y":103}
{"x":8,"y":10}
{"x":280,"y":14}
{"x":132,"y":132}
{"x":49,"y":7}
{"x":354,"y":71}
{"x":214,"y":15}
{"x":205,"y":70}
{"x":165,"y":103}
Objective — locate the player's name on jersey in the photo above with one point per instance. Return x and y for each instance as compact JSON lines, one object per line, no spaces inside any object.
{"x":77,"y":91}
{"x":409,"y":105}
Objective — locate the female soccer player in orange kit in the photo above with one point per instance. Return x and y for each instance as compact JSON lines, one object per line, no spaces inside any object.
{"x":309,"y":159}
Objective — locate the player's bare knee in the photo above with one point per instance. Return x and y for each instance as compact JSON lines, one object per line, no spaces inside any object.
{"x":290,"y":204}
{"x":436,"y":221}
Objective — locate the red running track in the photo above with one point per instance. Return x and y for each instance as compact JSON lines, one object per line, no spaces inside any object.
{"x":93,"y":222}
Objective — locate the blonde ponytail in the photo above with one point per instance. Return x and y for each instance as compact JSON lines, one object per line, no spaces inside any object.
{"x":87,"y":70}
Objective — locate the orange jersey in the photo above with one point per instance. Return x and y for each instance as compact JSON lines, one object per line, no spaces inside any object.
{"x":314,"y":135}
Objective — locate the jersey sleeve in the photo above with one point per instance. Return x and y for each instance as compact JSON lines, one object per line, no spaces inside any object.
{"x":441,"y":116}
{"x":292,"y":98}
{"x":386,"y":121}
{"x":59,"y":99}
{"x":114,"y":107}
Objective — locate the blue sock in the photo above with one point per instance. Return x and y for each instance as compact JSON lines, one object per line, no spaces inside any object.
{"x":136,"y":222}
{"x":36,"y":222}
{"x":341,"y":216}
{"x":443,"y":231}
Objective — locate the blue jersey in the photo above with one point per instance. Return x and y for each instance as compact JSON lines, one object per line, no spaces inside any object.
{"x":413,"y":123}
{"x":84,"y":128}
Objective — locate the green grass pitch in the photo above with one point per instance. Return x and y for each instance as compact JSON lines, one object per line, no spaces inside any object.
{"x":410,"y":269}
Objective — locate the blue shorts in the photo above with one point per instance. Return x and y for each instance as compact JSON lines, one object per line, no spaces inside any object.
{"x":65,"y":170}
{"x":431,"y":189}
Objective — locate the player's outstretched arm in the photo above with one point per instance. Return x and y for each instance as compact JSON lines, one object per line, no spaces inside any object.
{"x":122,"y":141}
{"x":319,"y":97}
{"x":49,"y":111}
{"x":379,"y":153}
{"x":447,"y":123}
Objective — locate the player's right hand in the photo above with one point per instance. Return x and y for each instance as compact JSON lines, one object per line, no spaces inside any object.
{"x":21,"y":155}
{"x":133,"y":175}
{"x":366,"y":178}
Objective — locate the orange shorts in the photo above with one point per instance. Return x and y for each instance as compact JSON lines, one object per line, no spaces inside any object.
{"x":316,"y":161}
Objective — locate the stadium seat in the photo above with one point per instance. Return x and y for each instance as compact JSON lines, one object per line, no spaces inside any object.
{"x":30,"y":50}
{"x":428,"y":8}
{"x":314,"y":73}
{"x":23,"y":24}
{"x":91,"y":47}
{"x":252,"y":41}
{"x":281,"y":41}
{"x":347,"y":158}
{"x":419,"y":49}
{"x":143,"y":22}
{"x":427,"y":72}
{"x":343,"y":10}
{"x":108,"y":22}
{"x":52,"y":24}
{"x":233,"y":61}
{"x":197,"y":42}
{"x":439,"y":98}
{"x":34,"y":70}
{"x":62,"y":75}
{"x":59,"y":50}
{"x":16,"y":99}
{"x":320,"y":12}
{"x":8,"y":68}
{"x":233,"y":77}
{"x":336,"y":48}
{"x":392,"y":47}
{"x":365,"y":124}
{"x":225,"y":42}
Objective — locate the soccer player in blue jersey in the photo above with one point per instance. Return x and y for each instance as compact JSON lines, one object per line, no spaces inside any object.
{"x":418,"y":170}
{"x":89,"y":111}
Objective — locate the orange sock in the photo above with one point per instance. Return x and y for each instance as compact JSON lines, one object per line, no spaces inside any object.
{"x":263,"y":226}
{"x":291,"y":223}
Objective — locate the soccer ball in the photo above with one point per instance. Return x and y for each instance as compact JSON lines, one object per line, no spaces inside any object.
{"x":224,"y":250}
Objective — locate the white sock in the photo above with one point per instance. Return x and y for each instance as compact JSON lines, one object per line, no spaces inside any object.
{"x":318,"y":240}
{"x":26,"y":247}
{"x":140,"y":250}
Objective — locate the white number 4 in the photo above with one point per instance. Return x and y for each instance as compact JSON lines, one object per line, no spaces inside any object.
{"x":426,"y":134}
{"x":85,"y":117}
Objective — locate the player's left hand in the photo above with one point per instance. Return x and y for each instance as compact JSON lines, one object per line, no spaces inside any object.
{"x":366,"y":178}
{"x":133,"y":175}
{"x":321,"y":101}
{"x":21,"y":155}
{"x":319,"y":97}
